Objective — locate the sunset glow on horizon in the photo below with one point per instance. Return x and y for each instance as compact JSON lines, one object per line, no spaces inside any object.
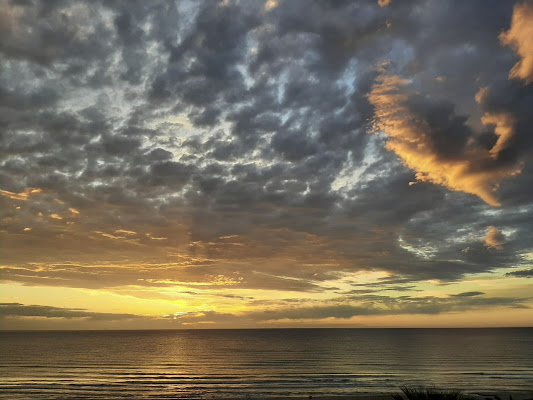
{"x":258,"y":164}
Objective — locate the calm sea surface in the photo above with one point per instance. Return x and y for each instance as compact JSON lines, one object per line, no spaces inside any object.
{"x":259,"y":363}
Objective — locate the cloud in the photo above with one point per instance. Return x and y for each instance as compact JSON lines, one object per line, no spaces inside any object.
{"x":495,"y":239}
{"x":524,"y":273}
{"x":20,"y":196}
{"x":59,"y":32}
{"x":504,"y":129}
{"x":22,"y":310}
{"x":468,"y":294}
{"x":343,"y":308}
{"x":518,"y":37}
{"x":433,"y":142}
{"x":368,"y":305}
{"x":270,"y":4}
{"x":176,"y":142}
{"x":383,"y":305}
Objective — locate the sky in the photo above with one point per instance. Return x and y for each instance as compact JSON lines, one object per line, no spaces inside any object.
{"x":257,"y":164}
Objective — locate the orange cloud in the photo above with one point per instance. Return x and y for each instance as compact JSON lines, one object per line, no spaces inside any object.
{"x":384,"y":3}
{"x":503,"y":127}
{"x":270,"y":4}
{"x":408,"y":138}
{"x":109,"y":236}
{"x":126,"y":232}
{"x":520,"y":38}
{"x":494,"y":239}
{"x":481,"y":94}
{"x":155,"y":237}
{"x":22,"y":195}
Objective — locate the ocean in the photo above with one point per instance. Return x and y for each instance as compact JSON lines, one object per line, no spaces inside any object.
{"x":260,"y":363}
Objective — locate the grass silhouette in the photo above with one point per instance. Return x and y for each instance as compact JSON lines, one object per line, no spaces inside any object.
{"x":430,"y":393}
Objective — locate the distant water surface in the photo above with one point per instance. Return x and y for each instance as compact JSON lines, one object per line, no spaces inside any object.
{"x":259,"y":363}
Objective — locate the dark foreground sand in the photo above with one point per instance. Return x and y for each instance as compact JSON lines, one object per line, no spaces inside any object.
{"x":476,"y":394}
{"x":502,"y":394}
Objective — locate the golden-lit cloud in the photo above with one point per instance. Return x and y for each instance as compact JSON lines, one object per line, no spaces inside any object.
{"x":410,"y":138}
{"x":151,"y":237}
{"x":118,"y":237}
{"x":494,"y":239}
{"x":22,"y":195}
{"x":481,"y":94}
{"x":270,"y":4}
{"x":109,"y":236}
{"x":520,"y":38}
{"x":384,"y":3}
{"x":503,"y":128}
{"x":125,"y":232}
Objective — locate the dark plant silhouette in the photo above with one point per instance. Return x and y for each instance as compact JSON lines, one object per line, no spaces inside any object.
{"x":430,"y":393}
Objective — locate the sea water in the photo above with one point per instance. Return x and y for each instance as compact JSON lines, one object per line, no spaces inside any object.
{"x":259,"y":363}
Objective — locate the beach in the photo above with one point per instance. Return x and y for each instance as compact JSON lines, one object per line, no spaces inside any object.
{"x":474,"y":394}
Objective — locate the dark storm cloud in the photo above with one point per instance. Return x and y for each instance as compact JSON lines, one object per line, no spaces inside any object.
{"x":186,"y":123}
{"x":60,"y":31}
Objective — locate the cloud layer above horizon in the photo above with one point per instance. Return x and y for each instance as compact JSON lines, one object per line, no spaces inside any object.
{"x":239,"y":163}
